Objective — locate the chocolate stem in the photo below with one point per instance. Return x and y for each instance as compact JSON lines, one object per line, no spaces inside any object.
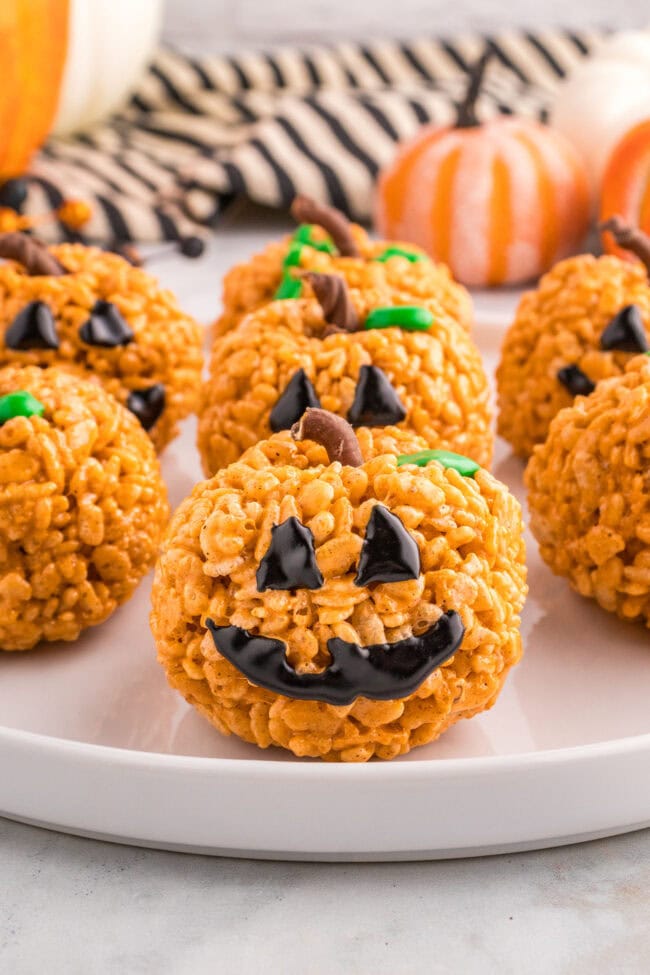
{"x":31,"y":253}
{"x":333,"y":433}
{"x":332,"y":294}
{"x":304,"y":209}
{"x":629,"y":238}
{"x":467,"y":117}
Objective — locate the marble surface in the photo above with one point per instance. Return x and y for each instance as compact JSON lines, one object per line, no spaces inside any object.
{"x":71,"y":906}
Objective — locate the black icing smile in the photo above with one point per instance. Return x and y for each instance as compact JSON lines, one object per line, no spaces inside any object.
{"x":382,"y":672}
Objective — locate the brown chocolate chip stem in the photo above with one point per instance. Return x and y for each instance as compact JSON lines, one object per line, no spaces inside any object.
{"x":629,"y":238}
{"x":467,"y":117}
{"x":306,"y":210}
{"x":333,"y":432}
{"x":31,"y":253}
{"x":333,"y":296}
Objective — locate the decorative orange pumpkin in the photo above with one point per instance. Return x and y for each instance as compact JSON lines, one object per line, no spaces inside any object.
{"x":33,"y":44}
{"x":499,"y":202}
{"x":65,"y":64}
{"x":626,"y":185}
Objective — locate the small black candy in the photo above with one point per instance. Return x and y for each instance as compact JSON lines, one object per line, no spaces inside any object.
{"x":147,"y":404}
{"x":13,"y":194}
{"x":290,"y":560}
{"x":575,"y":381}
{"x":33,"y":328}
{"x":376,"y":404}
{"x":298,"y":395}
{"x":625,"y":332}
{"x":105,"y":327}
{"x":191,"y":246}
{"x":389,"y":553}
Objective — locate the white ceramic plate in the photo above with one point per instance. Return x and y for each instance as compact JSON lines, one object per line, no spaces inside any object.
{"x":92,"y":740}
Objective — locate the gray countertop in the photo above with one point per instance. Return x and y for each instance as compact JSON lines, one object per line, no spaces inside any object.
{"x":81,"y":907}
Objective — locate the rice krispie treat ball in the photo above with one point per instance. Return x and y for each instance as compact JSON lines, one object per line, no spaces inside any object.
{"x":87,"y":309}
{"x":589,"y":493}
{"x":376,"y":367}
{"x":82,"y":505}
{"x":342,"y":596}
{"x":587,"y":318}
{"x":326,"y":242}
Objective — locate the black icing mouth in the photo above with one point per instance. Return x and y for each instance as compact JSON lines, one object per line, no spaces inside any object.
{"x":382,"y":672}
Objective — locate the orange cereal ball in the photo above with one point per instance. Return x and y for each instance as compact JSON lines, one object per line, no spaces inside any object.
{"x":341,"y":596}
{"x":336,"y":352}
{"x":82,"y":505}
{"x":392,"y":272}
{"x":91,"y":310}
{"x":587,"y":318}
{"x":589,"y":493}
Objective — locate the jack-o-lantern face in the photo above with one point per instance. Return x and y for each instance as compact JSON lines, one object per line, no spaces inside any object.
{"x":325,"y":242}
{"x":392,"y":365}
{"x":91,"y":311}
{"x":587,"y":319}
{"x":333,"y":591}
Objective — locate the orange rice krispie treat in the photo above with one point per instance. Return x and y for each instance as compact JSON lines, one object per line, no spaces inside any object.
{"x":589,"y":493}
{"x":376,"y":367}
{"x":586,"y":319}
{"x":325,"y":242}
{"x":82,"y":505}
{"x":84,"y":308}
{"x":342,"y":596}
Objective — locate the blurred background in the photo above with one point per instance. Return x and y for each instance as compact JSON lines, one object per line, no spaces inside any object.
{"x":218,"y":25}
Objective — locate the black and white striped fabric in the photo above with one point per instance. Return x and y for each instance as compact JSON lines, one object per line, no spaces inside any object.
{"x":198,"y":133}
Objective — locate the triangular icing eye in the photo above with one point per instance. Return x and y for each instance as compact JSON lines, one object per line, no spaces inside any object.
{"x":298,"y":395}
{"x":389,"y":553}
{"x":575,"y":381}
{"x":376,"y":404}
{"x":105,"y":327}
{"x":147,"y":404}
{"x":33,"y":328}
{"x":290,"y":560}
{"x":625,"y":332}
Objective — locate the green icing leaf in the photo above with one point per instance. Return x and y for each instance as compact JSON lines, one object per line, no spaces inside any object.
{"x":395,"y":251}
{"x":304,"y":235}
{"x":20,"y":403}
{"x":447,"y":458}
{"x":293,"y":256}
{"x":411,"y":318}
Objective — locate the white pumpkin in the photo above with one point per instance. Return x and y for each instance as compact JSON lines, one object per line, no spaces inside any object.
{"x":603,"y":97}
{"x":109,"y":45}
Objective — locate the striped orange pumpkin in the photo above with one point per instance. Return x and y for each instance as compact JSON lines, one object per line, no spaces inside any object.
{"x":33,"y":45}
{"x":626,"y":185}
{"x":499,"y":203}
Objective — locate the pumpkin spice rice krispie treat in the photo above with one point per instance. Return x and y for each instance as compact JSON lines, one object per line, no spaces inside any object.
{"x":341,"y":595}
{"x":82,"y":505}
{"x":376,"y":366}
{"x":587,"y":318}
{"x":326,"y":242}
{"x":589,"y":493}
{"x":90,"y":310}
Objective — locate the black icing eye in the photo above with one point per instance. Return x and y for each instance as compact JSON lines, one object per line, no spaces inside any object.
{"x":376,"y":404}
{"x":575,"y":381}
{"x":625,"y":332}
{"x":147,"y":404}
{"x":389,"y":553}
{"x":33,"y":328}
{"x":290,"y":560}
{"x":298,"y":395}
{"x":105,"y":327}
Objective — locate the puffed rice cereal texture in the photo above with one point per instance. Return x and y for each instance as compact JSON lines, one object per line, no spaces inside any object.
{"x":251,"y":285}
{"x":166,"y":348}
{"x":589,"y":493}
{"x":560,"y":324}
{"x":82,"y":508}
{"x":469,"y":533}
{"x":438,"y":375}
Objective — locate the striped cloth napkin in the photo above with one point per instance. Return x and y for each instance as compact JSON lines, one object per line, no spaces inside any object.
{"x":199,"y":133}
